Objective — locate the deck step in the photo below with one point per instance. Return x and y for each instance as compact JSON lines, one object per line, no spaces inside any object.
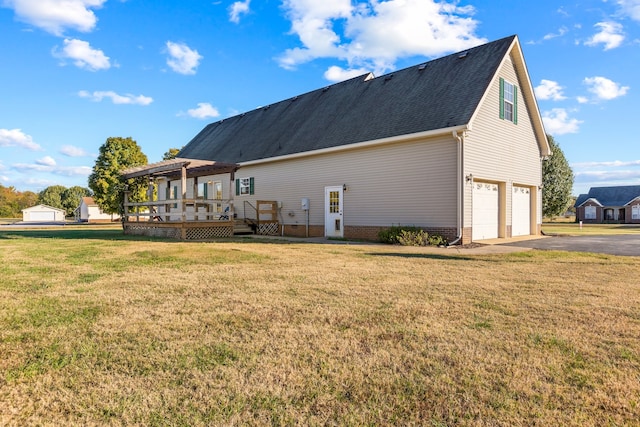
{"x":240,"y":227}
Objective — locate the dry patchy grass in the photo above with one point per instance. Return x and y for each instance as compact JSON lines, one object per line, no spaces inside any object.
{"x":124,"y":332}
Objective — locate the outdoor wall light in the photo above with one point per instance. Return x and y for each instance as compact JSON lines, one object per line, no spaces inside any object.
{"x":344,"y":187}
{"x":469,"y":177}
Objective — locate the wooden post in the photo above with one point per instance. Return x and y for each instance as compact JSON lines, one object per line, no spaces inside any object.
{"x":125,"y":211}
{"x":184,"y":192}
{"x":232,"y":192}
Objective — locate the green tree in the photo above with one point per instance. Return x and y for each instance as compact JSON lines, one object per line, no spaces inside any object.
{"x":12,"y":202}
{"x":106,"y":182}
{"x":71,"y":197}
{"x":52,"y":196}
{"x":171,"y":154}
{"x":557,"y":181}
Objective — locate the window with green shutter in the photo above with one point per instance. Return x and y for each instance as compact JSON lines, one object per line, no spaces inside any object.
{"x":245,"y":186}
{"x":508,"y":101}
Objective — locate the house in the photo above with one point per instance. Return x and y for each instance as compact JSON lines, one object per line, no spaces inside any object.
{"x":43,"y":213}
{"x":620,"y":204}
{"x":89,"y":211}
{"x":453,"y":146}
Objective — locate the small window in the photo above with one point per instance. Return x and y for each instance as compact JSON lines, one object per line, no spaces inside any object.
{"x":508,"y":101}
{"x":635,"y":212}
{"x":590,"y":212}
{"x":244,"y":186}
{"x":203,"y":190}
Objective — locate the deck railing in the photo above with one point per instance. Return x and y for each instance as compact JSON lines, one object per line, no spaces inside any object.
{"x":178,"y":210}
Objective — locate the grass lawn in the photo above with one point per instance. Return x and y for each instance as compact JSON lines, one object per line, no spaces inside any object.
{"x":574,"y":229}
{"x":97,"y":328}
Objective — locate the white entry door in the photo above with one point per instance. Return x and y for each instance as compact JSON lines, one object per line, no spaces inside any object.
{"x":521,"y":211}
{"x":486,"y":209}
{"x":333,"y":219}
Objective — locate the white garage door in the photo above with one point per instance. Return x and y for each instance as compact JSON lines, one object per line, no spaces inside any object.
{"x":521,"y":211}
{"x":42,"y":216}
{"x":486,"y":208}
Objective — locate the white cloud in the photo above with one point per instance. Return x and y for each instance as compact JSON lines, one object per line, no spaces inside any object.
{"x":561,"y":32}
{"x":377,"y":33}
{"x":71,"y":151}
{"x":56,"y":170}
{"x":605,"y":89}
{"x":557,"y":122}
{"x":582,"y":99}
{"x":182,"y":59}
{"x":614,"y":163}
{"x":17,"y":138}
{"x":237,"y":9}
{"x":46,"y":161}
{"x":549,"y":90}
{"x":115,"y":98}
{"x":83,"y":55}
{"x":610,"y":35}
{"x":204,"y":111}
{"x":615,"y":177}
{"x":338,"y":74}
{"x":630,"y":8}
{"x":54,"y":16}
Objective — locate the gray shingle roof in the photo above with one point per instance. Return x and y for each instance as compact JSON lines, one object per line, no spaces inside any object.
{"x":611,"y":196}
{"x":442,"y":94}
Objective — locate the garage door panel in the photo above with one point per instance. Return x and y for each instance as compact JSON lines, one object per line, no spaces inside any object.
{"x":521,"y":211}
{"x":486,"y":209}
{"x":42,"y":216}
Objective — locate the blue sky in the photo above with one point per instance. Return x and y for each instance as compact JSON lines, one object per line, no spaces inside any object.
{"x":75,"y":72}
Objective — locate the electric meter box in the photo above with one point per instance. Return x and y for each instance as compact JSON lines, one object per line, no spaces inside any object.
{"x":304,"y":204}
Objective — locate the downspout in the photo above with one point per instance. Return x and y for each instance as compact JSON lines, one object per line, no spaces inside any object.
{"x":459,"y":187}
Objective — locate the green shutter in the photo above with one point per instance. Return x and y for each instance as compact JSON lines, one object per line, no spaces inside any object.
{"x":237,"y":187}
{"x":251,"y":184}
{"x":501,"y":98}
{"x":205,"y":193}
{"x":515,"y":104}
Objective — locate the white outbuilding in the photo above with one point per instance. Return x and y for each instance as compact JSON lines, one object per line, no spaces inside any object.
{"x":43,"y":213}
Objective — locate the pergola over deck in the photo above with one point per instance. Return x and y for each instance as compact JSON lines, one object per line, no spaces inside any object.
{"x":170,"y":217}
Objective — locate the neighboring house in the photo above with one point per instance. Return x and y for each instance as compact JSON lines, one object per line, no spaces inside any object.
{"x":89,"y":211}
{"x":619,"y":204}
{"x":453,"y":146}
{"x":43,"y":213}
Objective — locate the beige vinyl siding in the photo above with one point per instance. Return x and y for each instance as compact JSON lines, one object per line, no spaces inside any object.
{"x":410,"y":183}
{"x":500,"y":151}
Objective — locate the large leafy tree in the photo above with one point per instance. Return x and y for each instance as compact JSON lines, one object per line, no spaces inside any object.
{"x":557,"y":181}
{"x":108,"y":187}
{"x":71,"y":197}
{"x":52,"y":196}
{"x":171,"y":154}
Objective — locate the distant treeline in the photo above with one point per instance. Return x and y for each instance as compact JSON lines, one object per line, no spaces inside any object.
{"x":12,"y":201}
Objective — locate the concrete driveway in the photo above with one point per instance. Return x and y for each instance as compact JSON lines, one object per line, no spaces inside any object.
{"x":623,"y":244}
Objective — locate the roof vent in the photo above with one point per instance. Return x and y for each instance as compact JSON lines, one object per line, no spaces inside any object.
{"x":463,"y":55}
{"x":389,"y":77}
{"x":324,"y":89}
{"x":369,"y":76}
{"x":421,"y":67}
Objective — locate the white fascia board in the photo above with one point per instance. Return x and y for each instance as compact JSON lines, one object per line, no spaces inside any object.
{"x":591,"y":199}
{"x":373,"y":143}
